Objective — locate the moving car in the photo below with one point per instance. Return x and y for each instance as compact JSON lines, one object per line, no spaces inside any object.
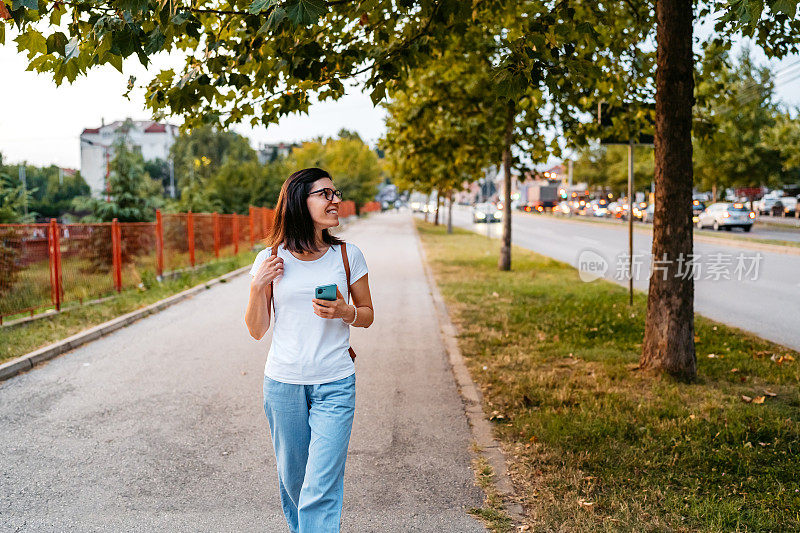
{"x":486,"y":213}
{"x":726,"y":215}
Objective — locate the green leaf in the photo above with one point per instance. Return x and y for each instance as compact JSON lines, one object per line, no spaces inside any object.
{"x":32,"y":5}
{"x":305,"y":12}
{"x":57,"y":42}
{"x":257,"y":6}
{"x":787,"y":7}
{"x":275,"y":18}
{"x":116,"y":61}
{"x":378,"y":93}
{"x":32,"y":41}
{"x":155,"y":41}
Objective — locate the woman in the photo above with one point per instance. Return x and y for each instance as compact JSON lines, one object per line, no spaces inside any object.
{"x":309,"y":379}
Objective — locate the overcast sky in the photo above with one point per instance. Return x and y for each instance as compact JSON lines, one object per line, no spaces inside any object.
{"x":40,"y":123}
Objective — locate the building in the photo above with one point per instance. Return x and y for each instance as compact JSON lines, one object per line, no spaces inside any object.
{"x":267,"y":153}
{"x":152,"y":139}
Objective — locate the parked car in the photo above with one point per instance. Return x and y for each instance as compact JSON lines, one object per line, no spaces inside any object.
{"x":765,"y":205}
{"x":486,"y":212}
{"x":789,"y":206}
{"x":726,"y":215}
{"x":647,"y":213}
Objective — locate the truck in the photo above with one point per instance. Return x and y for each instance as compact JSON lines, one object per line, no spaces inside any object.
{"x":538,"y":196}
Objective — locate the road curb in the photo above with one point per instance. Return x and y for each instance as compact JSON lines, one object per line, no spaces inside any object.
{"x":473,"y":399}
{"x":30,"y":360}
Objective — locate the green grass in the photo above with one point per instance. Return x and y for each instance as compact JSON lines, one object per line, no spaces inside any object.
{"x":23,"y":338}
{"x":595,"y":445}
{"x":493,"y":513}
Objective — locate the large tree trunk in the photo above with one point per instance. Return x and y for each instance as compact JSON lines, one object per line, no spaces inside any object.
{"x":504,"y":263}
{"x":669,"y":327}
{"x":450,"y":213}
{"x":438,"y":204}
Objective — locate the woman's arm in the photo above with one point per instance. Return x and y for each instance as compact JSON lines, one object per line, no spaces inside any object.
{"x":257,"y":315}
{"x":359,"y":292}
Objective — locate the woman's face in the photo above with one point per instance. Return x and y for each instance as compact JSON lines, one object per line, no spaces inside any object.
{"x":324,"y":213}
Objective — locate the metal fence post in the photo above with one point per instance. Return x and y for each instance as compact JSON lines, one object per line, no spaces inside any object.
{"x":116,"y":255}
{"x":190,"y":235}
{"x":54,"y":250}
{"x":159,"y":244}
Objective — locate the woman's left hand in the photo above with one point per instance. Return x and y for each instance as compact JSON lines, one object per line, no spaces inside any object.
{"x":329,"y":309}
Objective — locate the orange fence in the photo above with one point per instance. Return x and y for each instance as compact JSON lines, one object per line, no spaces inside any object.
{"x":347,"y":208}
{"x":46,"y":265}
{"x":369,"y":207}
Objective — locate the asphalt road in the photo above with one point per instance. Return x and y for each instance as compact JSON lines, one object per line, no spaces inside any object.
{"x":762,"y":297}
{"x":159,"y":426}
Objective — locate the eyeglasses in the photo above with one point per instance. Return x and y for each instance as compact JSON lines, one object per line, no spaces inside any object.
{"x":328,"y":193}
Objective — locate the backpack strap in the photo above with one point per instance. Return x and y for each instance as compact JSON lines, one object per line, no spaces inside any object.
{"x":271,"y":303}
{"x":346,"y":262}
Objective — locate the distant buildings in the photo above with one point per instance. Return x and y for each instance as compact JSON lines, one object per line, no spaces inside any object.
{"x":267,"y":153}
{"x":152,"y":139}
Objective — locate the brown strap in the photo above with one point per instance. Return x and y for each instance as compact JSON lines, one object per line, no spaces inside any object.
{"x":273,"y":252}
{"x":346,"y":262}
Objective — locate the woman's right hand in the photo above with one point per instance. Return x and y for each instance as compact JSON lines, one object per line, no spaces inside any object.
{"x":268,"y":271}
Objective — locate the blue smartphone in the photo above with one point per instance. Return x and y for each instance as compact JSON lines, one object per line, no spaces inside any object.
{"x":326,"y":292}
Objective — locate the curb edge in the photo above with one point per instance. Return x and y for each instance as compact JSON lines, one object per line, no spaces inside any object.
{"x":471,"y":396}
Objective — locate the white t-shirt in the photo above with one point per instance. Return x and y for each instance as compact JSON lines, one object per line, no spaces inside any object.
{"x":307,"y":349}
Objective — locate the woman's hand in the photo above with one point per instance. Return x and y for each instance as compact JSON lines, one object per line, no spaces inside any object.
{"x":268,"y":271}
{"x":336,"y":309}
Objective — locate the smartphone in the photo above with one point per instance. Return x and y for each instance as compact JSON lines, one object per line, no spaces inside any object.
{"x":326,"y":292}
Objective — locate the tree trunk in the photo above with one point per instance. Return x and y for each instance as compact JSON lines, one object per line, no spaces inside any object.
{"x":714,"y":193}
{"x":438,"y":204}
{"x":669,"y":326}
{"x":450,"y":213}
{"x":504,"y":262}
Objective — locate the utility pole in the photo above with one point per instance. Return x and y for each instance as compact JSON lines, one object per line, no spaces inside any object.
{"x":569,"y":174}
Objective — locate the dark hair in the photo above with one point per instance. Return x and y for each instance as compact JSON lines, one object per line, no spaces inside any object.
{"x":293,"y":225}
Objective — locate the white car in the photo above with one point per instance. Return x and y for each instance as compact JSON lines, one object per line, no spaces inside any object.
{"x":789,"y":205}
{"x":726,"y":215}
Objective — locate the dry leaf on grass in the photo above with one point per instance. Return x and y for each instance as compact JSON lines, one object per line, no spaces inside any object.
{"x":746,"y":399}
{"x":769,"y":393}
{"x":585,"y":504}
{"x":758,"y":399}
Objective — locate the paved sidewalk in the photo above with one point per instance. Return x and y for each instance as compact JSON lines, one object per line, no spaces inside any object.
{"x":159,"y":426}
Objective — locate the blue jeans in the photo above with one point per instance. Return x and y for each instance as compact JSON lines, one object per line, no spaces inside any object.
{"x":310,"y":427}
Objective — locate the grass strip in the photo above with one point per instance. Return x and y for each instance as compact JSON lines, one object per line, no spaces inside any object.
{"x":17,"y":340}
{"x":592,"y":443}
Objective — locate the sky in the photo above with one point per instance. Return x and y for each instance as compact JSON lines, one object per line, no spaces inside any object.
{"x":43,"y":127}
{"x":44,"y":124}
